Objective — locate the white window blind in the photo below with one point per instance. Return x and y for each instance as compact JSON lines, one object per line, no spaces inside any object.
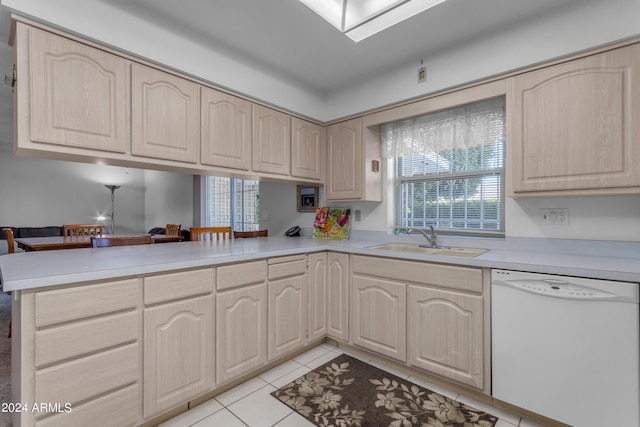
{"x":233,"y":202}
{"x":448,"y":168}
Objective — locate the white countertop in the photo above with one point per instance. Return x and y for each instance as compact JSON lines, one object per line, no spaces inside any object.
{"x":603,"y":260}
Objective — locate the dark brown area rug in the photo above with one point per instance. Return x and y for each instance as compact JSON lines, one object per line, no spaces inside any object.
{"x":348,"y":392}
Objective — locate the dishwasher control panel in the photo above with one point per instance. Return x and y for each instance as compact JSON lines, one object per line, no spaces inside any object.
{"x":566,"y":287}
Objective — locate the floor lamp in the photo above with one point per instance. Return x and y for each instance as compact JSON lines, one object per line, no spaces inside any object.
{"x":113,"y":189}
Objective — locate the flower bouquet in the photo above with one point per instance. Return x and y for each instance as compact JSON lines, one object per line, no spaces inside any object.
{"x":331,"y":224}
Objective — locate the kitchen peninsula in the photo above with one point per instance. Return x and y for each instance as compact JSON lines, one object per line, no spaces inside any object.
{"x":98,"y":328}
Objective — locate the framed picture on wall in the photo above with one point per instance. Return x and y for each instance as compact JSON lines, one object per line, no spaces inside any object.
{"x":307,"y":198}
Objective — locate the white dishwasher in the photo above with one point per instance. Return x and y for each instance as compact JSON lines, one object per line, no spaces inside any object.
{"x":567,"y":348}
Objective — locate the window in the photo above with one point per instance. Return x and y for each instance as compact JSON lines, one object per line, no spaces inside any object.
{"x":448,"y":168}
{"x":233,"y":202}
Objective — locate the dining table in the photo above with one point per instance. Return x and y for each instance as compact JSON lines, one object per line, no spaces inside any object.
{"x":75,"y":242}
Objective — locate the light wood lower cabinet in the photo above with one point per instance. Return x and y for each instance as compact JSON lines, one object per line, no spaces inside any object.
{"x":379,"y":316}
{"x":178,"y":357}
{"x":78,"y":350}
{"x":241,"y":331}
{"x":445,"y":334}
{"x":431,"y":316}
{"x":338,"y":296}
{"x":317,"y":297}
{"x":287,"y":329}
{"x":178,"y":339}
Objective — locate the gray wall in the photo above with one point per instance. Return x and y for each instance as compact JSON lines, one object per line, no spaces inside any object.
{"x":40,"y":192}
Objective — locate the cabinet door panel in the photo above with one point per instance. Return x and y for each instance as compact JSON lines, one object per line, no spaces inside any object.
{"x":226,"y":130}
{"x":338,"y":296}
{"x":574,"y":125}
{"x":88,"y":377}
{"x":344,"y":160}
{"x":384,"y":334}
{"x":317,"y":315}
{"x":165,"y":115}
{"x":118,"y":409}
{"x":446,"y":334}
{"x":78,"y":94}
{"x":307,"y":149}
{"x":178,"y":356}
{"x":241,"y":331}
{"x":271,"y":141}
{"x":287,"y":315}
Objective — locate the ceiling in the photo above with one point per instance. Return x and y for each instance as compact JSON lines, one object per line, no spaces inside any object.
{"x":285,"y":38}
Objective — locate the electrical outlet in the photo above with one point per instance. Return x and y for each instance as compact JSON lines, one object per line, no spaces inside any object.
{"x":422,"y":74}
{"x":555,"y":216}
{"x":357,"y":215}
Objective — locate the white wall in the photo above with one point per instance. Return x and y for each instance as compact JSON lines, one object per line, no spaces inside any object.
{"x":576,"y":26}
{"x":168,"y":199}
{"x":41,"y":192}
{"x":592,"y":218}
{"x":278,"y":209}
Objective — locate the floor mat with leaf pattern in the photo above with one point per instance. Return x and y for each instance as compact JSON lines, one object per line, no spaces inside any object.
{"x":348,"y":392}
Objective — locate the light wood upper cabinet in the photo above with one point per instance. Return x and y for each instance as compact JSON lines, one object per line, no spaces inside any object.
{"x":165,"y":115}
{"x":353,"y":162}
{"x":307,"y":149}
{"x":226,"y":130}
{"x":344,"y":161}
{"x":338,"y":296}
{"x":71,"y":94}
{"x":575,"y":127}
{"x":445,"y":334}
{"x":271,"y":141}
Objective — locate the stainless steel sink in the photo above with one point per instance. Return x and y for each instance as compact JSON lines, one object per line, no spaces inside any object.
{"x":446,"y":250}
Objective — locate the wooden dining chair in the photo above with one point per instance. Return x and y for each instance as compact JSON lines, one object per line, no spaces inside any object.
{"x":249,"y":234}
{"x":76,"y":230}
{"x":172,"y":230}
{"x":103,"y":242}
{"x":211,"y":233}
{"x":11,"y":246}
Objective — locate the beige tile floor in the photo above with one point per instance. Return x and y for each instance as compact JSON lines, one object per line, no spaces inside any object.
{"x":251,"y":404}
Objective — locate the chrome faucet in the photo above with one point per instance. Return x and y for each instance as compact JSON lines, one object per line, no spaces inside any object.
{"x":432,"y":237}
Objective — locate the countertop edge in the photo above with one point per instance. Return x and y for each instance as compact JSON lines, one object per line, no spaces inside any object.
{"x":45,"y":269}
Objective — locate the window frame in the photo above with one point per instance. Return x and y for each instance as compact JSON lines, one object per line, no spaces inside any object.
{"x":233,"y":204}
{"x":444,"y":99}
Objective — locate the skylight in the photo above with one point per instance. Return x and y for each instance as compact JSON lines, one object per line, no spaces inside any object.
{"x":359,"y":19}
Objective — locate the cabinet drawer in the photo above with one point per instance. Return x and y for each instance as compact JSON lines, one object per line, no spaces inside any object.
{"x":172,"y":286}
{"x":119,"y":409}
{"x":441,"y":275}
{"x":248,"y":273}
{"x":78,"y":338}
{"x":287,"y":269}
{"x":62,"y":305}
{"x":91,"y":376}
